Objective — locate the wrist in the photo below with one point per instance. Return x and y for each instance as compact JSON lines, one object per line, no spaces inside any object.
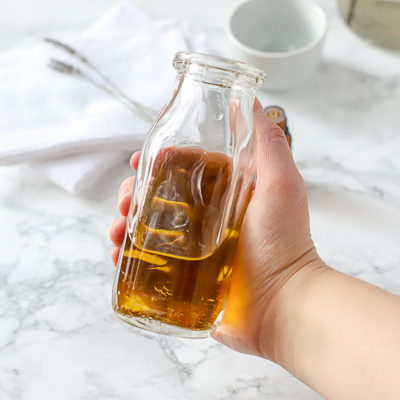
{"x":279,"y":323}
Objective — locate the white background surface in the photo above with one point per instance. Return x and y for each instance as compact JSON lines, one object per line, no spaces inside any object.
{"x":21,"y":19}
{"x":58,"y":336}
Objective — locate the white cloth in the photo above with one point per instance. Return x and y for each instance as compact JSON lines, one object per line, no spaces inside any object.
{"x":67,"y":128}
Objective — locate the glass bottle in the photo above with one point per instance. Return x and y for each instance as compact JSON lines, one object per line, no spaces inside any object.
{"x":193,"y":184}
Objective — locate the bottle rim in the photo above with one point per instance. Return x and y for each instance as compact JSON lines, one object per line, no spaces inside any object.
{"x":183,"y":59}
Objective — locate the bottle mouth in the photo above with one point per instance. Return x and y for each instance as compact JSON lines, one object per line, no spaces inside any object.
{"x":184,"y":60}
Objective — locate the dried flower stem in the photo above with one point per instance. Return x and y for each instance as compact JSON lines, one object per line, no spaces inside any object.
{"x":108,"y":86}
{"x":61,"y":66}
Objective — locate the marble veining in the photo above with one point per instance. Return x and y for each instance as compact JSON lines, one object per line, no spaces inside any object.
{"x":59,"y":338}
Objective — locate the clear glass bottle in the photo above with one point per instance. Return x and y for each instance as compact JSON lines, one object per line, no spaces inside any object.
{"x":193,"y":184}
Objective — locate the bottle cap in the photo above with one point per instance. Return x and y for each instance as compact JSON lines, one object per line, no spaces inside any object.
{"x":277,"y":114}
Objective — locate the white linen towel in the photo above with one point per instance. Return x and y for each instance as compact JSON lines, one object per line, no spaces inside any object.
{"x":70,"y":130}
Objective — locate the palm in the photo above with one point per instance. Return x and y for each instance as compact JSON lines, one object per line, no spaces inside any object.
{"x":273,"y":240}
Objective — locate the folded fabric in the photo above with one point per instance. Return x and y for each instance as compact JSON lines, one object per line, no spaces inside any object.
{"x":78,"y":173}
{"x":71,"y":130}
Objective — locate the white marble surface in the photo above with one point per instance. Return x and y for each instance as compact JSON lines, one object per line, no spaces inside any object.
{"x":59,"y":338}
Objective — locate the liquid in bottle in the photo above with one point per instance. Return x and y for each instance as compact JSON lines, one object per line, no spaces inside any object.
{"x":177,"y":261}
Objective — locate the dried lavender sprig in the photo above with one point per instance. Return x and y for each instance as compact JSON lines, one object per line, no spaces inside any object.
{"x":89,"y":64}
{"x":68,"y":49}
{"x":147,"y":112}
{"x":65,"y":68}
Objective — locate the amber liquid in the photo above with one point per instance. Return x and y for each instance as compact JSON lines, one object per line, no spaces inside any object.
{"x":177,"y":263}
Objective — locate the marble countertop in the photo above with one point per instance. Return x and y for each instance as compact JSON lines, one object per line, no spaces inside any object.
{"x":59,"y":338}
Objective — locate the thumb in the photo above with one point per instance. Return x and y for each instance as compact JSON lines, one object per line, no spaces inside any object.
{"x":273,"y":155}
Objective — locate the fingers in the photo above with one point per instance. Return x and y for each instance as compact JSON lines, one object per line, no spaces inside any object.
{"x":114,"y":255}
{"x":117,"y":231}
{"x":135,"y":160}
{"x":124,"y":195}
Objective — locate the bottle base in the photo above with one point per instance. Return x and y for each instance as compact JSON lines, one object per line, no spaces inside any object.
{"x":156,"y":326}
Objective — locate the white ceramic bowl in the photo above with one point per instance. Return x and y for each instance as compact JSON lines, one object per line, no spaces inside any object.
{"x":282,"y":37}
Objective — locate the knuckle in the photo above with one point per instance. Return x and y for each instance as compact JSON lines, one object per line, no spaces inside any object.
{"x":275,"y":134}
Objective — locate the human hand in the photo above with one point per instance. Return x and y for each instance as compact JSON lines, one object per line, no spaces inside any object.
{"x":274,"y":242}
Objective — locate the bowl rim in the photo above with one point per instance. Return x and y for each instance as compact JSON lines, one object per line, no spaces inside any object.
{"x":277,"y":54}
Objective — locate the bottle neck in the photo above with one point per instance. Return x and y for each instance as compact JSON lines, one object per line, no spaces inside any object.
{"x":224,"y":80}
{"x":220,"y":116}
{"x":218,"y":71}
